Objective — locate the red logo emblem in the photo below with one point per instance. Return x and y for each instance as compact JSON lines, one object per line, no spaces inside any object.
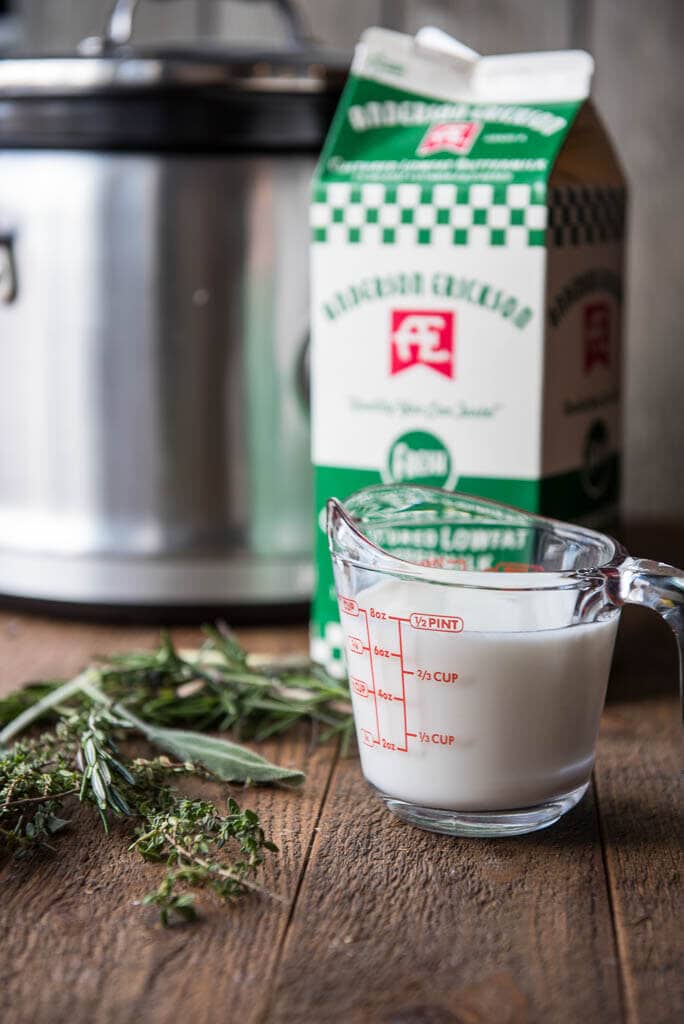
{"x":422,"y":337}
{"x":596,"y":335}
{"x":449,"y":137}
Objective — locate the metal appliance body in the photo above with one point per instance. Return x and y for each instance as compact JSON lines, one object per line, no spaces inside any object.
{"x":153,"y":420}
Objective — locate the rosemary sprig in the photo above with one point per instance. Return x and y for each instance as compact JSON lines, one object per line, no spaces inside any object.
{"x":218,"y":688}
{"x":96,"y":760}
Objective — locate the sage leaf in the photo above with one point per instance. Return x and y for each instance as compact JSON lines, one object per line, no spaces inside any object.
{"x":228,"y":761}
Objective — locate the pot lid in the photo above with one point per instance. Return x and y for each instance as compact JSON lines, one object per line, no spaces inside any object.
{"x":281,"y":71}
{"x":180,"y":100}
{"x":116,"y":95}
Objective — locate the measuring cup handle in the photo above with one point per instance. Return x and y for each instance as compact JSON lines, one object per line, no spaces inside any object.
{"x":657,"y":586}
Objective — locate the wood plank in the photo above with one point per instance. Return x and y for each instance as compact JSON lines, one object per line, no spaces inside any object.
{"x":75,"y":949}
{"x":637,"y":770}
{"x":398,"y":925}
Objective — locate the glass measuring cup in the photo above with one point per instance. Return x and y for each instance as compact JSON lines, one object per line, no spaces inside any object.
{"x":478,"y":642}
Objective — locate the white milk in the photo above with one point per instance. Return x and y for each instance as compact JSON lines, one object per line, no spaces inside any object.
{"x":452,"y":714}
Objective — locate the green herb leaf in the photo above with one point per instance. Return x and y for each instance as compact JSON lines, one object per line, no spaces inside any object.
{"x":228,"y":761}
{"x":223,"y":640}
{"x":51,"y":700}
{"x":214,"y":688}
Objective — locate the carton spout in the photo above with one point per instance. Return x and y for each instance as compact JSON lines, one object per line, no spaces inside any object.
{"x":438,"y":45}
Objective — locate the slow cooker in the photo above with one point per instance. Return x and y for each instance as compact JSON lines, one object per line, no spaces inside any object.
{"x":153,"y":328}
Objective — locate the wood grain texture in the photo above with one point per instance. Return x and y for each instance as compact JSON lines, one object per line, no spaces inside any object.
{"x":397,"y":925}
{"x":637,"y":768}
{"x":79,"y":950}
{"x":33,"y":647}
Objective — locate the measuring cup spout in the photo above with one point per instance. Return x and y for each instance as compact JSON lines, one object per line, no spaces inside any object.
{"x":346,"y":540}
{"x":657,"y":586}
{"x":343,"y":537}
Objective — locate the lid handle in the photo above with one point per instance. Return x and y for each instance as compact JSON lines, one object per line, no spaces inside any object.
{"x":119,"y":29}
{"x":120,"y":25}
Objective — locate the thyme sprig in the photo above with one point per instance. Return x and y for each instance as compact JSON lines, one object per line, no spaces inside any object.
{"x":189,"y":837}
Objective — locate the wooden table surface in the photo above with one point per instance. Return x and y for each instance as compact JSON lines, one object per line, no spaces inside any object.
{"x":378,"y":921}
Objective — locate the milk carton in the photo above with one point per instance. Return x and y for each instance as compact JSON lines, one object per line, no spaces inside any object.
{"x":467,"y":249}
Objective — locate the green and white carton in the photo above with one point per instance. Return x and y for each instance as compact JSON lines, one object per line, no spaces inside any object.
{"x":467,"y":226}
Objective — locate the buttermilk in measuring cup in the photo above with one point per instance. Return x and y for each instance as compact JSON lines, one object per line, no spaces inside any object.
{"x":467,"y":704}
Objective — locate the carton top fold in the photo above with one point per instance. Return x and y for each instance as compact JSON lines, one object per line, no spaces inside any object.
{"x":437,"y":65}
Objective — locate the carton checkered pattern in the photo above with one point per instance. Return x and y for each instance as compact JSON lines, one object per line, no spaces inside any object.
{"x":328,"y":650}
{"x":480,"y":215}
{"x":585,"y":215}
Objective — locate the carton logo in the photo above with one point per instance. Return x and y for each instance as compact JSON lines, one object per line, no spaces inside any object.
{"x":422,"y":337}
{"x":596,"y":335}
{"x":419,"y":457}
{"x":449,"y":137}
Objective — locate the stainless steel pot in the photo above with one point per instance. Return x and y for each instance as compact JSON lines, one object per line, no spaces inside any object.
{"x":153,"y":322}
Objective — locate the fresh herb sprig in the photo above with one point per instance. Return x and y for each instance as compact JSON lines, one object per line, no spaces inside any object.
{"x":218,"y":687}
{"x":189,"y":838}
{"x":40,"y":776}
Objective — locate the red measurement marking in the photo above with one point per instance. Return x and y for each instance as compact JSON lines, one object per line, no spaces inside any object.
{"x":412,"y":734}
{"x":384,"y":695}
{"x":356,"y":645}
{"x":367,"y":738}
{"x":442,"y":562}
{"x":440,"y":739}
{"x":397,"y":618}
{"x":360,"y":687}
{"x":403,"y":683}
{"x":349,"y":605}
{"x":515,"y":567}
{"x":426,"y":676}
{"x":372,"y":669}
{"x":380,"y":652}
{"x":437,"y":623}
